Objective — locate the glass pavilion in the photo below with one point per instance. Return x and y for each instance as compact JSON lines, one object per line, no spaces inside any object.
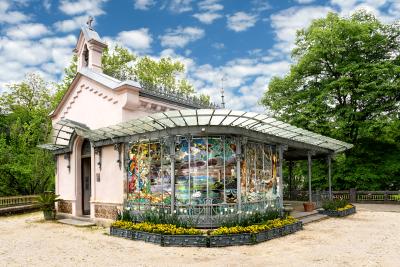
{"x":206,"y":164}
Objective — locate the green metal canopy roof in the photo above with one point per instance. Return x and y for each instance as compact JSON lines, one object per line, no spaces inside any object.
{"x":207,"y":118}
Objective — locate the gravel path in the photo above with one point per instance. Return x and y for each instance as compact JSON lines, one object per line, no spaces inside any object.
{"x":369,"y":238}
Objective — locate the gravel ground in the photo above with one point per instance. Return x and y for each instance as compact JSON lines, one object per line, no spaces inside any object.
{"x":371,"y":237}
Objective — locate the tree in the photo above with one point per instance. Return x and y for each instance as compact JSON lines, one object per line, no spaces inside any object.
{"x":344,"y":83}
{"x":24,"y":168}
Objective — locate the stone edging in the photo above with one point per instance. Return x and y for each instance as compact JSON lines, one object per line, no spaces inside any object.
{"x":336,"y":213}
{"x":207,"y":241}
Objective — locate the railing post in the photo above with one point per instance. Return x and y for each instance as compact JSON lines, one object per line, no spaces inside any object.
{"x":353,"y":195}
{"x":385,"y":196}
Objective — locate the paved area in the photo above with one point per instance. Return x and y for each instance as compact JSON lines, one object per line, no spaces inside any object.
{"x":368,"y":238}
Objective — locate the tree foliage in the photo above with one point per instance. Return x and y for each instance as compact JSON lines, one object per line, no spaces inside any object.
{"x":24,"y":168}
{"x":344,"y":83}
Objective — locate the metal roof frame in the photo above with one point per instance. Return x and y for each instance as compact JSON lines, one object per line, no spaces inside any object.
{"x":201,"y":122}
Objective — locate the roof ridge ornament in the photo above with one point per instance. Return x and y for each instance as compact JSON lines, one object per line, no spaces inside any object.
{"x":89,"y":22}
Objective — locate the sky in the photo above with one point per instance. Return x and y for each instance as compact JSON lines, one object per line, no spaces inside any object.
{"x":235,"y":44}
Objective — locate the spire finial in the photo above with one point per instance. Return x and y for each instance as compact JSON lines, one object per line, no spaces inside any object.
{"x":89,"y":22}
{"x":222,"y":90}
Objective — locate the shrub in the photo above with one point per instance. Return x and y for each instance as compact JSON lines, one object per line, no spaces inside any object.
{"x":158,"y":216}
{"x":276,"y":223}
{"x":334,"y":204}
{"x":47,"y":201}
{"x":165,"y":229}
{"x":247,"y":219}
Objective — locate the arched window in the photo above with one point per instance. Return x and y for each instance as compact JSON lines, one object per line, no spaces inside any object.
{"x":85,"y":57}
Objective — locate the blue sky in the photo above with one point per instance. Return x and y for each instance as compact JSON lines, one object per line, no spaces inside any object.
{"x":245,"y":41}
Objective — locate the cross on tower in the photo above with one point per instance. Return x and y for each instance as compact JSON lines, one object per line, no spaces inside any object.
{"x":89,"y":22}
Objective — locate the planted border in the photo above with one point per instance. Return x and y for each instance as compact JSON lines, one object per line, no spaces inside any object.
{"x":207,"y":241}
{"x":338,"y":213}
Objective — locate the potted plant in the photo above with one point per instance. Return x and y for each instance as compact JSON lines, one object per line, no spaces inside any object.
{"x":47,"y":202}
{"x":308,"y":206}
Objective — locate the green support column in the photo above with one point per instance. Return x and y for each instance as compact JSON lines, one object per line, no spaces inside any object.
{"x":330,"y":176}
{"x":280,"y":181}
{"x":172,"y":157}
{"x":238,"y":178}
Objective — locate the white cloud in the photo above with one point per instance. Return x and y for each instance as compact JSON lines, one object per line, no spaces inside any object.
{"x":180,"y":6}
{"x":385,"y":10}
{"x":47,"y":4}
{"x":92,"y":7}
{"x":143,"y":4}
{"x":304,"y":1}
{"x":48,"y":56}
{"x":7,"y":15}
{"x":180,"y":36}
{"x":245,"y":80}
{"x":209,"y":10}
{"x":210,"y":5}
{"x":139,"y":40}
{"x":207,"y":18}
{"x":241,"y":21}
{"x":71,"y":24}
{"x":288,"y":21}
{"x":218,"y":45}
{"x":27,"y":31}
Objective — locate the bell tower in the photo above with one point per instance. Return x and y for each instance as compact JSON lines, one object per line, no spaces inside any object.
{"x":89,"y":48}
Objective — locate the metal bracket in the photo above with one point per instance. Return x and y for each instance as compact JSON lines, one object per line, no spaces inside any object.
{"x":97,"y":150}
{"x":117,"y":147}
{"x":67,"y":156}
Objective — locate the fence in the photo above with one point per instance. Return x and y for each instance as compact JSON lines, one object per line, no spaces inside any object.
{"x":351,"y":195}
{"x":17,"y":200}
{"x":207,"y":215}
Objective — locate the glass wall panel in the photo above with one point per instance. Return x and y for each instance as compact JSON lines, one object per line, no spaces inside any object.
{"x":216,"y":169}
{"x":258,"y":170}
{"x":145,"y":179}
{"x":166,"y":174}
{"x":205,"y":171}
{"x":230,"y":170}
{"x":198,"y":170}
{"x":182,"y":175}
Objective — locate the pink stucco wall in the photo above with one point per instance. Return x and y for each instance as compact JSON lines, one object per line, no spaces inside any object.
{"x":90,"y":101}
{"x":96,"y":106}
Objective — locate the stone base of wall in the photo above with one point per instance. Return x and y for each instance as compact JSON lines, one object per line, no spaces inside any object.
{"x":65,"y":206}
{"x":105,"y":211}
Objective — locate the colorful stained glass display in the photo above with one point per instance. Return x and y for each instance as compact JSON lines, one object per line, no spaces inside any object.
{"x":205,"y":171}
{"x":147,"y":174}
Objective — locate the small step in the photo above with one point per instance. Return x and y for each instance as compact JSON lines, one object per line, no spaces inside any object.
{"x":75,"y":222}
{"x":314,"y":218}
{"x":303,"y":214}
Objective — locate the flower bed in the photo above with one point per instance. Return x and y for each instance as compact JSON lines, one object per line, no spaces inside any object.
{"x":340,"y":212}
{"x":170,"y":235}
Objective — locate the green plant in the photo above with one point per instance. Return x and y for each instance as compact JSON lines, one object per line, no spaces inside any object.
{"x":166,"y":229}
{"x":247,"y":219}
{"x":47,"y":201}
{"x":396,"y":197}
{"x":255,"y":228}
{"x":156,"y":216}
{"x":334,"y":204}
